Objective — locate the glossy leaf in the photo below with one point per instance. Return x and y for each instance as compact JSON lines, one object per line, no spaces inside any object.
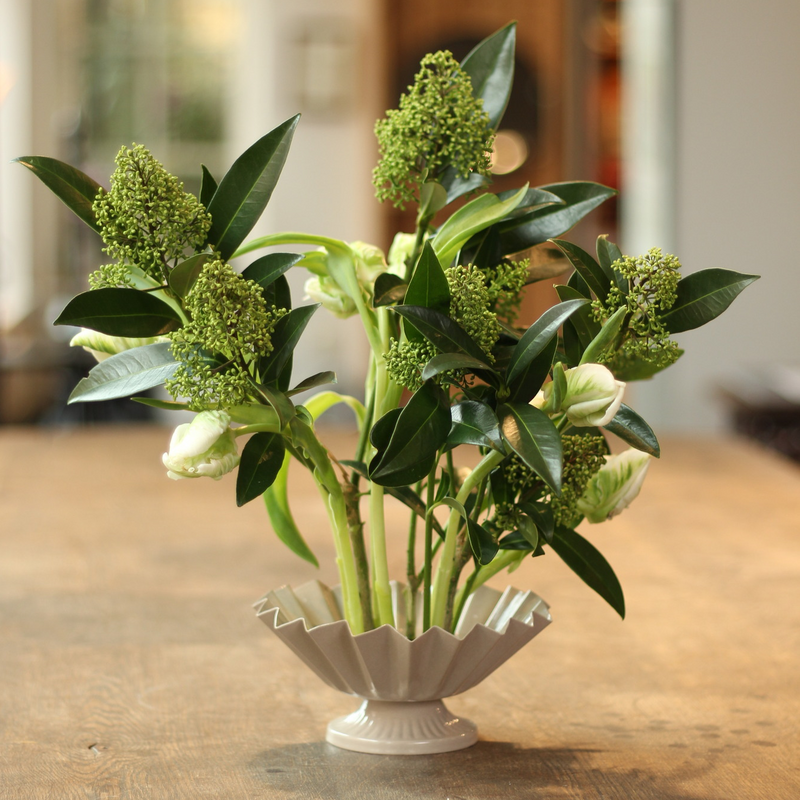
{"x":528,"y":382}
{"x":607,"y":254}
{"x":594,"y":275}
{"x":285,"y":337}
{"x":389,"y":289}
{"x":703,"y":296}
{"x":490,"y":66}
{"x":449,"y":361}
{"x":456,"y":186}
{"x":585,"y":326}
{"x":278,"y":293}
{"x":183,"y":276}
{"x":262,"y":459}
{"x":276,"y":500}
{"x":280,"y":404}
{"x":537,"y":337}
{"x":532,"y":436}
{"x":476,"y":215}
{"x":207,"y":186}
{"x":542,"y":515}
{"x":74,"y":188}
{"x":244,"y":192}
{"x":317,"y":379}
{"x":633,"y":430}
{"x":529,"y":531}
{"x":535,"y":197}
{"x":421,"y":430}
{"x":445,"y":334}
{"x":381,"y":432}
{"x":589,"y":565}
{"x":432,"y":198}
{"x":120,"y":312}
{"x":320,"y":403}
{"x":538,"y":226}
{"x":267,"y":269}
{"x":428,"y":288}
{"x":474,"y":423}
{"x":126,"y":373}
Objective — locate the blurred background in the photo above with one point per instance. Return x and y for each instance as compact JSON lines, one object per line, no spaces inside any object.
{"x":690,"y":108}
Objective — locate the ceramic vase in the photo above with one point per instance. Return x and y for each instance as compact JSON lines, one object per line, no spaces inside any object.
{"x":402,"y":682}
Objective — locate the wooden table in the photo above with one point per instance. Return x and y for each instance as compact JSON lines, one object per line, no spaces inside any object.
{"x":131,"y":665}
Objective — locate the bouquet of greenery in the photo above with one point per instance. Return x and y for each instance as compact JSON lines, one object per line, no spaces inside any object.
{"x":448,"y":366}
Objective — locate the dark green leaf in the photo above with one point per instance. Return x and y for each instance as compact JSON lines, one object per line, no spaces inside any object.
{"x":389,"y":289}
{"x":276,"y":499}
{"x":456,"y":186}
{"x":278,"y":294}
{"x":585,"y":326}
{"x":607,"y":254}
{"x":542,"y":515}
{"x":280,"y":403}
{"x":285,"y":337}
{"x":75,"y":189}
{"x":126,"y":373}
{"x":246,"y":189}
{"x":207,"y":186}
{"x":703,"y":296}
{"x":421,"y":430}
{"x":528,"y":382}
{"x":588,"y":564}
{"x":448,"y":361}
{"x":318,"y":379}
{"x":533,"y":437}
{"x":381,"y":433}
{"x":490,"y":66}
{"x":633,"y":430}
{"x":594,"y":275}
{"x":428,"y":288}
{"x":549,"y":222}
{"x":605,"y":338}
{"x":535,"y":197}
{"x":529,"y":532}
{"x":514,"y":541}
{"x":481,"y":542}
{"x":445,"y":334}
{"x":269,"y":268}
{"x":474,"y":423}
{"x":262,"y":459}
{"x":120,"y":312}
{"x":183,"y":276}
{"x":539,"y":335}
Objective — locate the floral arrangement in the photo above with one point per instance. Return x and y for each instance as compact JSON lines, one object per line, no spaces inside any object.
{"x":448,"y":365}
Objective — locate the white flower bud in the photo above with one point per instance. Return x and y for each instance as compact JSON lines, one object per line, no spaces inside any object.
{"x":592,"y":398}
{"x":101,"y":345}
{"x":202,"y":448}
{"x":370,"y":263}
{"x":615,"y":486}
{"x":401,"y":249}
{"x":326,"y":291}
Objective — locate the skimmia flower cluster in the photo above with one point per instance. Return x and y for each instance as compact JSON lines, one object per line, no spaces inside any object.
{"x":539,"y":408}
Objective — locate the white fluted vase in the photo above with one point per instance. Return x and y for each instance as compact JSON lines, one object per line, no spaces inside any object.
{"x":402,"y":682}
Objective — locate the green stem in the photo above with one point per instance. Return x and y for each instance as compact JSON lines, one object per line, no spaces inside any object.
{"x":331,"y":491}
{"x":506,"y":558}
{"x":447,"y":561}
{"x":412,"y":583}
{"x":427,"y":570}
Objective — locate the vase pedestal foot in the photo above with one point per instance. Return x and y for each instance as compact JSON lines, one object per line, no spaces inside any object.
{"x":403,"y":729}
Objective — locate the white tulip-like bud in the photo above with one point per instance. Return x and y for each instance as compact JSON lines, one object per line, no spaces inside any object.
{"x":326,"y":291}
{"x":592,"y":397}
{"x":401,"y":249}
{"x":101,"y":345}
{"x":202,"y":448}
{"x":370,"y":262}
{"x":615,"y":486}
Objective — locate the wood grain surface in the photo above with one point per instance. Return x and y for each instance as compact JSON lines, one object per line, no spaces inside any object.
{"x":131,"y":665}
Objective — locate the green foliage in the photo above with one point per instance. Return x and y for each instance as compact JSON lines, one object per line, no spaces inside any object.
{"x":652,"y":281}
{"x":438,"y":122}
{"x":230,"y":320}
{"x":146,"y":219}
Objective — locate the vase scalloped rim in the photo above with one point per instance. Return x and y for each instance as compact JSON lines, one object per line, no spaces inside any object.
{"x":315,"y":605}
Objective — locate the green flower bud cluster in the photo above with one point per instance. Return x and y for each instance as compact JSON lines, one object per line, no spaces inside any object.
{"x":505,"y":283}
{"x":583,"y":457}
{"x":652,"y":280}
{"x":230,"y":329}
{"x":439,"y":122}
{"x":470,"y":308}
{"x":146,"y":219}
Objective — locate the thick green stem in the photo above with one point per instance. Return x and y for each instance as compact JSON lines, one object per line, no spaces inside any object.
{"x":412,"y":582}
{"x":380,"y":564}
{"x":356,"y":529}
{"x":331,"y":490}
{"x":447,"y":561}
{"x":427,"y":570}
